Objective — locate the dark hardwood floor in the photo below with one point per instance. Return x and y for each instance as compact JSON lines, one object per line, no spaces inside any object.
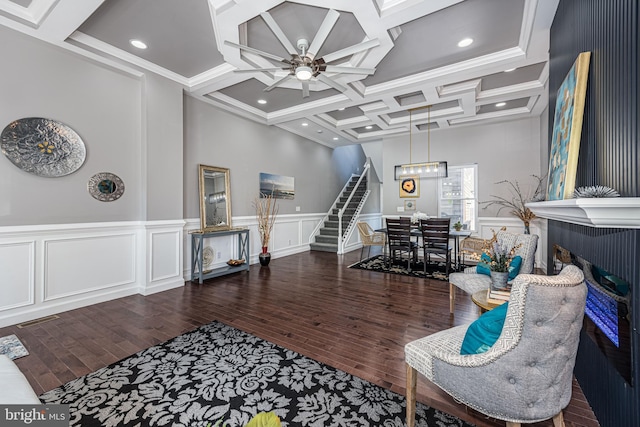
{"x":353,"y":320}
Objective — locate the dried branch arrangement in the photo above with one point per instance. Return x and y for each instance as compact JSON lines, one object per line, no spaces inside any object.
{"x":516,"y":204}
{"x":266,"y":212}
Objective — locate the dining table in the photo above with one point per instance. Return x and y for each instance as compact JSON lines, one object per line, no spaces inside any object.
{"x":455,"y":235}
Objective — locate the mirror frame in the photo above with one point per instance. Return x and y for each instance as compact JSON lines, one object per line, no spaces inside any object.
{"x":202,"y":169}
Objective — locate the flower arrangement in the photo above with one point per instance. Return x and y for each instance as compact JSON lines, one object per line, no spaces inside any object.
{"x":417,"y":216}
{"x":516,"y":204}
{"x":500,"y":255}
{"x":266,"y":212}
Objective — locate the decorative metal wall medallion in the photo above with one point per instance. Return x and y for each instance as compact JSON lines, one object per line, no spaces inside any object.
{"x":105,"y":186}
{"x":43,"y":147}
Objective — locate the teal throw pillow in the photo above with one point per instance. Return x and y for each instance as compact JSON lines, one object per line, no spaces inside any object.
{"x":483,"y":265}
{"x":484,"y":332}
{"x":514,"y":267}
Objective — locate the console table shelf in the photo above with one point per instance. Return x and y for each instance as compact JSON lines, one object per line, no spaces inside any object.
{"x":197,"y":252}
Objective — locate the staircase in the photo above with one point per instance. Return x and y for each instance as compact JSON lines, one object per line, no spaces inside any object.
{"x":327,"y":238}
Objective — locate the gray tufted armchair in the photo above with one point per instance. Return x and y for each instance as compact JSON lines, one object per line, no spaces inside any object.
{"x":472,"y":282}
{"x":526,"y":376}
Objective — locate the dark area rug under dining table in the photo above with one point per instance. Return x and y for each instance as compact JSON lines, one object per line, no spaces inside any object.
{"x":377,"y":263}
{"x":217,"y":375}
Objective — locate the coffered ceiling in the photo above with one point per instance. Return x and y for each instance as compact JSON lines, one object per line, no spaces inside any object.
{"x":410,"y":45}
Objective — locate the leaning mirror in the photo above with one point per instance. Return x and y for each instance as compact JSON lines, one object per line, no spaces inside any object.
{"x":215,"y":198}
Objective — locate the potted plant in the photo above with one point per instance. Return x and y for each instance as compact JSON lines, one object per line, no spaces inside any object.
{"x":498,"y":257}
{"x":266,"y":212}
{"x":457,"y":226}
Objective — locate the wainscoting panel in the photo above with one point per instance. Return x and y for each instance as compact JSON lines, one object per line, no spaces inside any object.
{"x":17,"y":274}
{"x":286,"y":234}
{"x":47,"y":269}
{"x":85,"y":264}
{"x":165,"y":255}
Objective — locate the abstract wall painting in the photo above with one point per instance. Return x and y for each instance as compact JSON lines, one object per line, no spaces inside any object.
{"x":567,"y":127}
{"x":410,"y":186}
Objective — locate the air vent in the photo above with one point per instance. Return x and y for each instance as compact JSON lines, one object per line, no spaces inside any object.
{"x":38,"y":321}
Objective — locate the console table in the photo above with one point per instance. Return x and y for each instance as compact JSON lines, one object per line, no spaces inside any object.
{"x":197,"y":252}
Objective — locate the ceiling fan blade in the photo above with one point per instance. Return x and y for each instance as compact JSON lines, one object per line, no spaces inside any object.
{"x":351,"y":50}
{"x":253,"y":70}
{"x":277,"y":31}
{"x":349,"y":70}
{"x":323,"y":32}
{"x":277,"y":83}
{"x":256,"y":51}
{"x":305,"y":89}
{"x":328,"y":81}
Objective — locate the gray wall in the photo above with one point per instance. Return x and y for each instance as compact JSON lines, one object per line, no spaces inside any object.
{"x":148,"y":133}
{"x":162,"y":149}
{"x":130,"y":126}
{"x":509,"y":150}
{"x":216,"y":138}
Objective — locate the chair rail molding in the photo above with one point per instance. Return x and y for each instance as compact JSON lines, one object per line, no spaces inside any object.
{"x":611,"y":212}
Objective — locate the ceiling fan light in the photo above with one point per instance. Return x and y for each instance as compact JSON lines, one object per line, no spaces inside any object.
{"x":303,"y":72}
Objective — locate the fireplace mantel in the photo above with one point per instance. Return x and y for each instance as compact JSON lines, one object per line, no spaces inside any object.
{"x":614,"y":212}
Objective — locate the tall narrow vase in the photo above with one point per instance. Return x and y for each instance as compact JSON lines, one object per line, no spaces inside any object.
{"x":499,"y":280}
{"x":264,"y":257}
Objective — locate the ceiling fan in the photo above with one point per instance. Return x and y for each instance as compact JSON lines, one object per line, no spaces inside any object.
{"x":303,"y":64}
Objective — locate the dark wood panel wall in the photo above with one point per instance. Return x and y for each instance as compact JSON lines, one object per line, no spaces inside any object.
{"x":609,"y":155}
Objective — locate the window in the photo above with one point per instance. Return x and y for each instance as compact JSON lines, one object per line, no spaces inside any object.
{"x":458,"y":196}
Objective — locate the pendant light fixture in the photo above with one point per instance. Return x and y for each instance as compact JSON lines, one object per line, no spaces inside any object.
{"x":426,"y":169}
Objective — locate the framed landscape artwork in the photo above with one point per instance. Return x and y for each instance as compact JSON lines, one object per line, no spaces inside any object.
{"x":567,"y":126}
{"x":278,"y":186}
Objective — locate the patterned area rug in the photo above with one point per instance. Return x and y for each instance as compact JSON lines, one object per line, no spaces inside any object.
{"x":377,"y":263}
{"x":12,"y":347}
{"x":220,"y":376}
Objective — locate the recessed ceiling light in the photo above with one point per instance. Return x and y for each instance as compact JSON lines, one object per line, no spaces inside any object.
{"x":465,"y":42}
{"x":335,"y":138}
{"x":509,"y":70}
{"x":305,"y":124}
{"x":341,"y":109}
{"x":368,"y":127}
{"x":319,"y":131}
{"x":138,"y":43}
{"x":501,"y":104}
{"x":262,"y":101}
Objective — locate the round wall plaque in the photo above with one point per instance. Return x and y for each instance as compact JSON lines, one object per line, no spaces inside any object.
{"x":105,"y":186}
{"x":43,"y":147}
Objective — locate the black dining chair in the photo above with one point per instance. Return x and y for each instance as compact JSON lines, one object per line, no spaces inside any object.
{"x":399,"y":238}
{"x":435,"y":240}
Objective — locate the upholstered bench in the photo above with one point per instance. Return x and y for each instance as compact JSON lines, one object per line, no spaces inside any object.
{"x":15,"y":388}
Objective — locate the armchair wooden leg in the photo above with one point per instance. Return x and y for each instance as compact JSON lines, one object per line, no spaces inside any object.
{"x":558,"y":420}
{"x":452,"y":297}
{"x":411,"y":396}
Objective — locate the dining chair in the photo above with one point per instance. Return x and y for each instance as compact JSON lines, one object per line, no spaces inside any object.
{"x":399,"y":240}
{"x":369,"y":238}
{"x":435,"y":240}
